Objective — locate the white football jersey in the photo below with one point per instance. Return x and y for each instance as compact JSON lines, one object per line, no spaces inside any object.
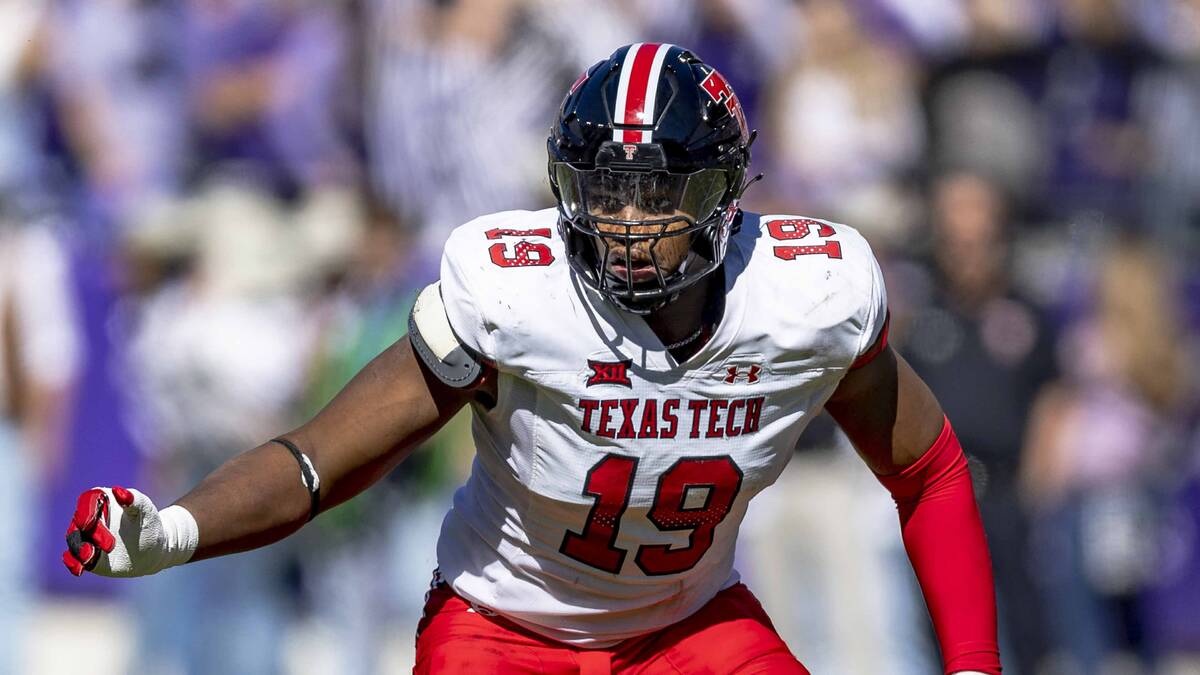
{"x":610,"y":480}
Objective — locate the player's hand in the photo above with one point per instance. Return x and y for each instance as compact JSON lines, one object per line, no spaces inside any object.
{"x":119,"y":533}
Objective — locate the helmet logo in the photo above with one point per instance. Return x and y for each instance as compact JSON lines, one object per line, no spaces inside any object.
{"x":720,"y":91}
{"x":630,"y":151}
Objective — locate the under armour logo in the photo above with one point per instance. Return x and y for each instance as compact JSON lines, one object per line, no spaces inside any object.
{"x":735,"y":373}
{"x":630,"y":151}
{"x":610,"y":372}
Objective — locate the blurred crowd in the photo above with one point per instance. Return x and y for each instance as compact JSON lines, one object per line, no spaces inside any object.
{"x":213,"y":212}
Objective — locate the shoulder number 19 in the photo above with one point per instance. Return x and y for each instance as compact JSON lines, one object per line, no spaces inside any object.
{"x":789,"y":229}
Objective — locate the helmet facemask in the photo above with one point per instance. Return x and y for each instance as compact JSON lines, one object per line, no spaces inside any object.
{"x":647,"y":161}
{"x":640,"y":235}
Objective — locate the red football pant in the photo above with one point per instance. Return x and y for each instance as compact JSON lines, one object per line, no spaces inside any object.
{"x":730,"y":634}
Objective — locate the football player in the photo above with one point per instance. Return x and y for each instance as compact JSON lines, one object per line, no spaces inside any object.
{"x":640,"y":362}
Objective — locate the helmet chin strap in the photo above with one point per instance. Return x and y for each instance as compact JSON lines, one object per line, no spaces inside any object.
{"x":640,"y":308}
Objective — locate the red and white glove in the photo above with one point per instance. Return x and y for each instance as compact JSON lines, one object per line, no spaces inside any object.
{"x":119,"y":533}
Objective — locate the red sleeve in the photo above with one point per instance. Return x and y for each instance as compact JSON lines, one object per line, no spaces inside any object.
{"x":944,"y":537}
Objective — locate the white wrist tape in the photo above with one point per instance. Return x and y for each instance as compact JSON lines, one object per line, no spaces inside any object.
{"x":147,"y":540}
{"x":181,"y":536}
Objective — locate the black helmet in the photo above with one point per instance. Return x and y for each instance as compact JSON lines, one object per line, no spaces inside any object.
{"x":653,"y":127}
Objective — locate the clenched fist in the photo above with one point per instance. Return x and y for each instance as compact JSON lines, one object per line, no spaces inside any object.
{"x":119,"y":533}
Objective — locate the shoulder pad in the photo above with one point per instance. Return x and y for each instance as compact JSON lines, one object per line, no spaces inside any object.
{"x":434,"y":341}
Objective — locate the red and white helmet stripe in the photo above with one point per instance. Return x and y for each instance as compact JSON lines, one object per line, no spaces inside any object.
{"x":638,"y":89}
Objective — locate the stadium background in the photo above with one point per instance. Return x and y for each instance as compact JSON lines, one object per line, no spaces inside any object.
{"x":214,"y":211}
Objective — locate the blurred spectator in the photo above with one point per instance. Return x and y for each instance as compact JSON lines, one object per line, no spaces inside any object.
{"x":1099,"y":444}
{"x":590,"y":31}
{"x":997,"y":26}
{"x":460,"y":96}
{"x":980,"y":101}
{"x":822,"y":548}
{"x":933,"y":26}
{"x":1169,"y":112}
{"x":982,"y":116}
{"x":984,"y":351}
{"x":116,"y":66}
{"x":1093,"y":79}
{"x":363,"y":313}
{"x":1171,"y":611}
{"x":843,"y":124}
{"x":1054,"y":100}
{"x":220,"y":357}
{"x":748,"y":41}
{"x":39,"y":357}
{"x":267,"y":88}
{"x":22,"y":56}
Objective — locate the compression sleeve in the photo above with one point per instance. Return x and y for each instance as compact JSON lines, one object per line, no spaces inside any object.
{"x":944,"y":537}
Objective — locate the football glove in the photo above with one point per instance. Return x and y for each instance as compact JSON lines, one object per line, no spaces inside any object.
{"x":119,"y":533}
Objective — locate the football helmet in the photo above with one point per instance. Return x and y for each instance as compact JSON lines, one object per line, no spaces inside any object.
{"x":655,"y":133}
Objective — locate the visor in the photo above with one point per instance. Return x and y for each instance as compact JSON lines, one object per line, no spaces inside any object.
{"x":659,"y":195}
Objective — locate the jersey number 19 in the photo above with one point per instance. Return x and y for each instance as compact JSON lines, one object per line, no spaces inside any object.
{"x":610,"y":482}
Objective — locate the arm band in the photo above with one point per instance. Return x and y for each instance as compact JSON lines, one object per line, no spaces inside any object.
{"x":308,"y":476}
{"x":944,"y":537}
